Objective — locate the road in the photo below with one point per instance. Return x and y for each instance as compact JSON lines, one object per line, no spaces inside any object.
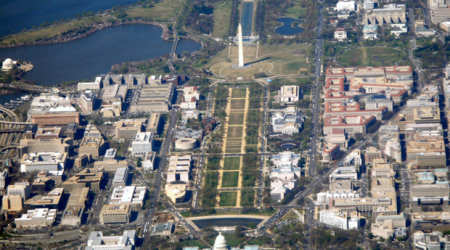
{"x":161,"y":168}
{"x":412,"y":47}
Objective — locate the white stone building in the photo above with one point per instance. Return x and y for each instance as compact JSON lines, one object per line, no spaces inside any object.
{"x":288,"y":94}
{"x":128,"y":195}
{"x":97,"y":241}
{"x":41,"y":217}
{"x":346,"y":5}
{"x":288,"y":121}
{"x":345,"y":221}
{"x":38,"y":161}
{"x":142,"y":144}
{"x":340,"y":34}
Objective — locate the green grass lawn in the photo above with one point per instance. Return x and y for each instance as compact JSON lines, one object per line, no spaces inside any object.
{"x":232,"y":149}
{"x":222,"y":14}
{"x":162,"y":11}
{"x":237,"y":104}
{"x":238,"y":93}
{"x":228,"y":199}
{"x":232,"y":163}
{"x":236,"y":118}
{"x":371,"y":56}
{"x":296,"y":11}
{"x":235,"y":131}
{"x":230,"y":179}
{"x":52,"y":30}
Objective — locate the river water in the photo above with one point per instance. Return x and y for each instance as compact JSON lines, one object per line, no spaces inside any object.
{"x":18,"y":14}
{"x":287,"y":29}
{"x":93,"y":55}
{"x":247,"y":18}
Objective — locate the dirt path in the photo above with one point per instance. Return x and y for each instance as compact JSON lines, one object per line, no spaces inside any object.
{"x":224,"y":145}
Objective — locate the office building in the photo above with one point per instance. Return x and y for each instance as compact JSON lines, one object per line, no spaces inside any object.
{"x":379,"y":101}
{"x":352,"y":109}
{"x":86,"y":178}
{"x":142,"y":144}
{"x":341,"y":220}
{"x":93,"y":143}
{"x":48,"y":133}
{"x":149,"y":161}
{"x":346,"y":5}
{"x":96,"y":85}
{"x":120,"y":177}
{"x":429,"y":196}
{"x":112,"y":213}
{"x":179,"y":167}
{"x":330,"y":152}
{"x":154,"y":122}
{"x":12,"y":203}
{"x":49,"y":145}
{"x":51,"y":110}
{"x":153,"y":98}
{"x":97,"y":241}
{"x":344,"y":173}
{"x":87,"y":101}
{"x":127,"y":129}
{"x":73,"y":214}
{"x":43,"y":161}
{"x":289,"y":94}
{"x":23,"y":190}
{"x":3,"y":178}
{"x":51,"y":201}
{"x":43,"y":217}
{"x":386,"y":225}
{"x":352,"y":124}
{"x":131,"y":195}
{"x":391,"y":13}
{"x":431,"y":241}
{"x":110,"y":165}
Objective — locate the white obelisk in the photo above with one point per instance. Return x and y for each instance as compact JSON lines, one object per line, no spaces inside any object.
{"x":241,"y":49}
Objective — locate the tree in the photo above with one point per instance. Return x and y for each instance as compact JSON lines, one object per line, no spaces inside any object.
{"x":139,"y":162}
{"x":238,"y":232}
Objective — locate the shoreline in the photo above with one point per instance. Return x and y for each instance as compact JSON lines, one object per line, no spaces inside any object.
{"x":94,"y":28}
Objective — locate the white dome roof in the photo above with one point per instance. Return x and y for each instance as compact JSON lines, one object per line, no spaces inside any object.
{"x":220,"y":243}
{"x":175,"y":191}
{"x":8,"y":64}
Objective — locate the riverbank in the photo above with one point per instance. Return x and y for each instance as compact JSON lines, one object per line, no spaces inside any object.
{"x":88,"y":30}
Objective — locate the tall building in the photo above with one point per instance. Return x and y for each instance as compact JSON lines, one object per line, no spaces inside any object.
{"x":112,"y":213}
{"x":142,"y":144}
{"x":42,"y":217}
{"x":12,"y":203}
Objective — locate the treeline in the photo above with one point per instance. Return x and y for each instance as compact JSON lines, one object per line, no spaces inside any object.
{"x":259,"y":19}
{"x":253,"y":114}
{"x":209,"y":189}
{"x":433,"y":55}
{"x":268,"y":11}
{"x":234,"y":18}
{"x":198,"y":16}
{"x":249,"y":169}
{"x":221,"y":96}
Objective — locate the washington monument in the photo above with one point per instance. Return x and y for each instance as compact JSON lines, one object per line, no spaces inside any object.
{"x":241,"y":49}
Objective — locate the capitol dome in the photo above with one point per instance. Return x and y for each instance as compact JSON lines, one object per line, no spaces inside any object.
{"x":220,"y":243}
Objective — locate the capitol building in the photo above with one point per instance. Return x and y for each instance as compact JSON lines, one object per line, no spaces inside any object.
{"x":221,"y":244}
